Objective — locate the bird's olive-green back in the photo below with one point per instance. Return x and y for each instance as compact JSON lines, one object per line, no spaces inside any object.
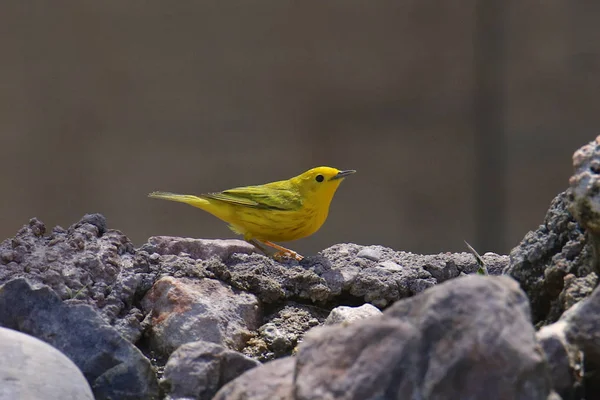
{"x":272,"y":196}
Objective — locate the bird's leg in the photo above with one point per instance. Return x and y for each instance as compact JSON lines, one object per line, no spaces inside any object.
{"x":283,"y":252}
{"x":258,"y":245}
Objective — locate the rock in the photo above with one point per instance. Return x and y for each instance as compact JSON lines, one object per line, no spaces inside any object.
{"x":372,"y":253}
{"x":554,"y":263}
{"x":582,"y":329}
{"x":564,"y":359}
{"x":392,"y":275}
{"x":443,"y":265}
{"x":446,"y":266}
{"x":379,"y":276}
{"x":130,"y":325}
{"x":283,"y":330}
{"x":381,"y":285}
{"x":585,"y":186}
{"x":576,"y":289}
{"x":32,"y":369}
{"x":113,"y":366}
{"x":185,"y":310}
{"x":441,"y":270}
{"x":344,"y":314}
{"x":87,"y":263}
{"x":270,"y":381}
{"x":554,"y":396}
{"x":197,"y":248}
{"x":197,"y":370}
{"x":466,"y":338}
{"x":584,"y":196}
{"x":546,"y":256}
{"x":374,"y":359}
{"x":495,"y":263}
{"x":273,"y":282}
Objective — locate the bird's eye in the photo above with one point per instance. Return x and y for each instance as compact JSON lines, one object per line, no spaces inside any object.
{"x":319,"y":178}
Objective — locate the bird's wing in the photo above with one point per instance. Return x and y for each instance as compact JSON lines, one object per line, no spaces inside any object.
{"x":262,"y":197}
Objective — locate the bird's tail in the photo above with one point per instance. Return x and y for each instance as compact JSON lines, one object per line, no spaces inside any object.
{"x":181,"y":198}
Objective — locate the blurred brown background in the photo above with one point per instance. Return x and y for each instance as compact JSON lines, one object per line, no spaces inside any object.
{"x":461,"y":117}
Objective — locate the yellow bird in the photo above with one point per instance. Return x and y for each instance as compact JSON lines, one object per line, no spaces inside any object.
{"x":274,"y":212}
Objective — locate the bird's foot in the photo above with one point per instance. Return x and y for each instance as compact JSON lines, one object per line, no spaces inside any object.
{"x":283,"y":253}
{"x":287,"y":255}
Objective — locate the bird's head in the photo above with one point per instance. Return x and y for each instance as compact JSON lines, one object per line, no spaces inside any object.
{"x":320,"y":184}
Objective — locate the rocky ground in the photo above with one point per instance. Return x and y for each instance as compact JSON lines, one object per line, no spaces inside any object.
{"x":202,"y":319}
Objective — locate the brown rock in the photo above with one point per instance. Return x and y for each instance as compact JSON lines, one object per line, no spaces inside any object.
{"x":185,"y":310}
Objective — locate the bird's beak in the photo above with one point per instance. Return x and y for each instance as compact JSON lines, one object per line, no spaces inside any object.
{"x":343,"y":174}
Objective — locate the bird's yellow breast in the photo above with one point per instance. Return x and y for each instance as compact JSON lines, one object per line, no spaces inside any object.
{"x":275,"y":225}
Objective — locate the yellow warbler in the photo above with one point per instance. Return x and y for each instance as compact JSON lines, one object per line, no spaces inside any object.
{"x":274,"y":212}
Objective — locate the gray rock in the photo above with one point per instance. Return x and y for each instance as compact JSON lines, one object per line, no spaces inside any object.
{"x":283,"y":330}
{"x":584,"y":196}
{"x":32,"y":369}
{"x":564,"y":359}
{"x":582,"y":329}
{"x":374,"y":359}
{"x":441,"y":270}
{"x":585,"y":186}
{"x":576,"y":289}
{"x":345,"y":314}
{"x":372,"y":253}
{"x":466,"y":338}
{"x":396,"y":275}
{"x":197,"y":370}
{"x":197,"y":248}
{"x":379,"y":275}
{"x":381,"y":287}
{"x":177,"y":266}
{"x":389,"y":266}
{"x":185,"y":310}
{"x":273,"y":281}
{"x":446,"y":266}
{"x":87,"y":263}
{"x":495,"y":263}
{"x":113,"y":366}
{"x":270,"y":381}
{"x":130,"y":326}
{"x":545,"y":256}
